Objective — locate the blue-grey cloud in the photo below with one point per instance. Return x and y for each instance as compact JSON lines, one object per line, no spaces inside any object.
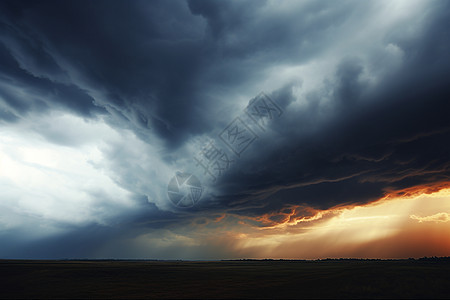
{"x":139,"y":86}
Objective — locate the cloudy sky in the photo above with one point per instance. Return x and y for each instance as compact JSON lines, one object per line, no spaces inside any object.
{"x":282,"y":129}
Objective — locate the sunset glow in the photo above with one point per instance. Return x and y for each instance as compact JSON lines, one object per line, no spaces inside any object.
{"x":396,"y":228}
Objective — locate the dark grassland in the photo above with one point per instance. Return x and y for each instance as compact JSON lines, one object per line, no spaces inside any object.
{"x":428,"y":278}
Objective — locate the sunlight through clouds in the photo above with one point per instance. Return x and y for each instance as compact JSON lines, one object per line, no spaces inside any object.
{"x":60,"y":183}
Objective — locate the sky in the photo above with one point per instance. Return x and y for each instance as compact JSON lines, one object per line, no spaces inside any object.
{"x":224,"y":129}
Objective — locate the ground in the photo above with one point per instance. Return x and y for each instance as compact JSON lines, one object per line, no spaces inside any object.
{"x":425,"y":278}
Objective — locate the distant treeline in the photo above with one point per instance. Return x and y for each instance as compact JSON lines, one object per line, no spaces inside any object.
{"x":425,"y":258}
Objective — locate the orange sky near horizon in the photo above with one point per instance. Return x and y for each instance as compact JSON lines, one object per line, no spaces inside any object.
{"x":409,"y":223}
{"x":416,"y":224}
{"x":403,"y":224}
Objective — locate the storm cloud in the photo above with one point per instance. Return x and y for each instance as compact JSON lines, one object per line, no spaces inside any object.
{"x":101,"y":102}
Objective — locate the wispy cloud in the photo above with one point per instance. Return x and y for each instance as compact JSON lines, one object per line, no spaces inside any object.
{"x":439,"y":217}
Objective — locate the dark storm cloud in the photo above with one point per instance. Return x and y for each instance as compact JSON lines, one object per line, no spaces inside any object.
{"x":394,"y":137}
{"x":174,"y":70}
{"x":249,"y":31}
{"x":158,"y":64}
{"x":130,"y":57}
{"x":24,"y":72}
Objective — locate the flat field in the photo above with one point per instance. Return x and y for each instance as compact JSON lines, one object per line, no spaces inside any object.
{"x":225,"y":279}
